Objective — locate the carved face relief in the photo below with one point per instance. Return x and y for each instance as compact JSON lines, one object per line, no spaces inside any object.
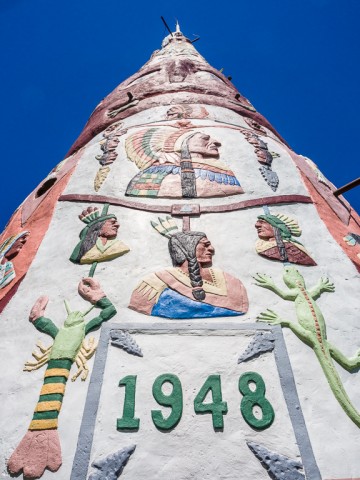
{"x":204,"y":252}
{"x":264,"y":229}
{"x":203,"y":145}
{"x":15,"y":249}
{"x":110,"y":228}
{"x":98,"y":240}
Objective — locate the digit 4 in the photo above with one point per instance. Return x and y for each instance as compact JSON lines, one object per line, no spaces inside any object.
{"x":217,"y":407}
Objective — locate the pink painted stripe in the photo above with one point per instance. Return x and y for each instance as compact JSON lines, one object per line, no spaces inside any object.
{"x":256,"y":202}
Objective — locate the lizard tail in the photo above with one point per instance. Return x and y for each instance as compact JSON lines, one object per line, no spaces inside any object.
{"x":337,"y":387}
{"x":40,"y":447}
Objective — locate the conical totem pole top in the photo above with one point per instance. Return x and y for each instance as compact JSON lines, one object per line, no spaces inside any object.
{"x":215,"y":274}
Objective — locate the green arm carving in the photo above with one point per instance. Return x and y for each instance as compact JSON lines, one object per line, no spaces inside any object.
{"x":45,"y":325}
{"x":107,"y":311}
{"x":265,"y":281}
{"x":324,"y":285}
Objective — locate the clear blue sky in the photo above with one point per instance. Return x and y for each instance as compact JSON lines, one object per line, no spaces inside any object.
{"x":296,"y":61}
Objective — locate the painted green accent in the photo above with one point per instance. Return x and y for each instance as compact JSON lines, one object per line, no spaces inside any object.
{"x":46,"y":415}
{"x":173,"y":400}
{"x":59,"y":363}
{"x":92,"y":269}
{"x":252,"y":398}
{"x":107,"y":311}
{"x":55,"y":380}
{"x":217,"y":407}
{"x":51,"y":397}
{"x":45,"y":325}
{"x":68,"y":341}
{"x":311,"y":329}
{"x":128,"y":420}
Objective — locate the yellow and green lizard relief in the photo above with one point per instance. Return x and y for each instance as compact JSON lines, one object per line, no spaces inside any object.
{"x":311,"y":329}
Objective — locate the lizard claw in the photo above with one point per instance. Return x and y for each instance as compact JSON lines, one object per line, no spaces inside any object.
{"x":269,"y":316}
{"x":263,"y":280}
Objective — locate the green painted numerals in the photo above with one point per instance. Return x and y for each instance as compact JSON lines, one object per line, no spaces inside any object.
{"x":173,"y":400}
{"x":128,"y":421}
{"x":217,"y":407}
{"x":255,"y":398}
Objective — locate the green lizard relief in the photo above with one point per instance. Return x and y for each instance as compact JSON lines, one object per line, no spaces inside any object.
{"x":311,"y":329}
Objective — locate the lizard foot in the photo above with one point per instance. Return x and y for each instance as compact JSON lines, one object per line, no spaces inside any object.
{"x":269,"y":316}
{"x":264,"y":281}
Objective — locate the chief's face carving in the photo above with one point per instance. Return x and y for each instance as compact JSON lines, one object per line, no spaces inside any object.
{"x":264,"y":229}
{"x":204,"y":252}
{"x":204,"y":145}
{"x":15,"y":249}
{"x":110,"y":228}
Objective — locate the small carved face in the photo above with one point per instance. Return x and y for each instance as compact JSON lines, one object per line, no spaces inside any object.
{"x":264,"y":229}
{"x":204,"y":145}
{"x":110,"y":228}
{"x":15,"y":249}
{"x":204,"y":252}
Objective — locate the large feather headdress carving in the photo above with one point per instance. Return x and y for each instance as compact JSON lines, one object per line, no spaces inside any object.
{"x":156,"y":145}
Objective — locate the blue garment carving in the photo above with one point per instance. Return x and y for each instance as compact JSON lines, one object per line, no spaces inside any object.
{"x":172,"y":304}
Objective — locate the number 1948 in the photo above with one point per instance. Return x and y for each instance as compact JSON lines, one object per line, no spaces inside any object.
{"x":251,"y":398}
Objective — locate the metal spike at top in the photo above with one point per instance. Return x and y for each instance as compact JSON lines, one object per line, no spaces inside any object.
{"x":177,"y":30}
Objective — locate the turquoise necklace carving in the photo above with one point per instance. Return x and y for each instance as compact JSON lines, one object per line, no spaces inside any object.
{"x":311,"y":329}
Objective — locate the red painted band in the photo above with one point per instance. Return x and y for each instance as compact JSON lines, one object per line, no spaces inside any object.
{"x":256,"y":202}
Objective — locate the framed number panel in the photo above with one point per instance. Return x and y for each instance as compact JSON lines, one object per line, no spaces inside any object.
{"x":203,"y":401}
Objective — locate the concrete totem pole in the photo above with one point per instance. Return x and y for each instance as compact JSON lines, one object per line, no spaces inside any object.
{"x":194,"y":210}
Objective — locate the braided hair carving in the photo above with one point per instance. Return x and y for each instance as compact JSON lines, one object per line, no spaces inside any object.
{"x":182,"y":246}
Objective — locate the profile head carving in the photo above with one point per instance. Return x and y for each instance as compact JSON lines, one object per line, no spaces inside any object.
{"x":276,"y":239}
{"x":9,"y":249}
{"x":98,"y":240}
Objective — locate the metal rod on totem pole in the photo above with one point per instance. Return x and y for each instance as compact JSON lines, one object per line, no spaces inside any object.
{"x":166,"y":25}
{"x":347,"y":187}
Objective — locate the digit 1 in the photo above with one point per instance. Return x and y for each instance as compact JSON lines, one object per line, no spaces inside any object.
{"x":217,"y":407}
{"x":173,"y":400}
{"x":128,"y":421}
{"x":255,"y":398}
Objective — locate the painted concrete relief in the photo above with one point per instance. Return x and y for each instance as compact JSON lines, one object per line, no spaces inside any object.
{"x":192,"y":288}
{"x":40,"y":447}
{"x":98,"y":240}
{"x":179,"y":112}
{"x":276,"y":239}
{"x":178,"y":162}
{"x":108,"y":147}
{"x":311,"y":329}
{"x":9,"y":249}
{"x":265,"y":157}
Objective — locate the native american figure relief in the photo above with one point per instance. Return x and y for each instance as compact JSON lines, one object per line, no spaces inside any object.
{"x":108,"y":156}
{"x":276,"y":239}
{"x":8,"y":250}
{"x":178,"y":163}
{"x":98,"y":240}
{"x":192,"y":288}
{"x":179,"y":112}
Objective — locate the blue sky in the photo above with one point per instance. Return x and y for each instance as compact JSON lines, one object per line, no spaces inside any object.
{"x":296,"y":61}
